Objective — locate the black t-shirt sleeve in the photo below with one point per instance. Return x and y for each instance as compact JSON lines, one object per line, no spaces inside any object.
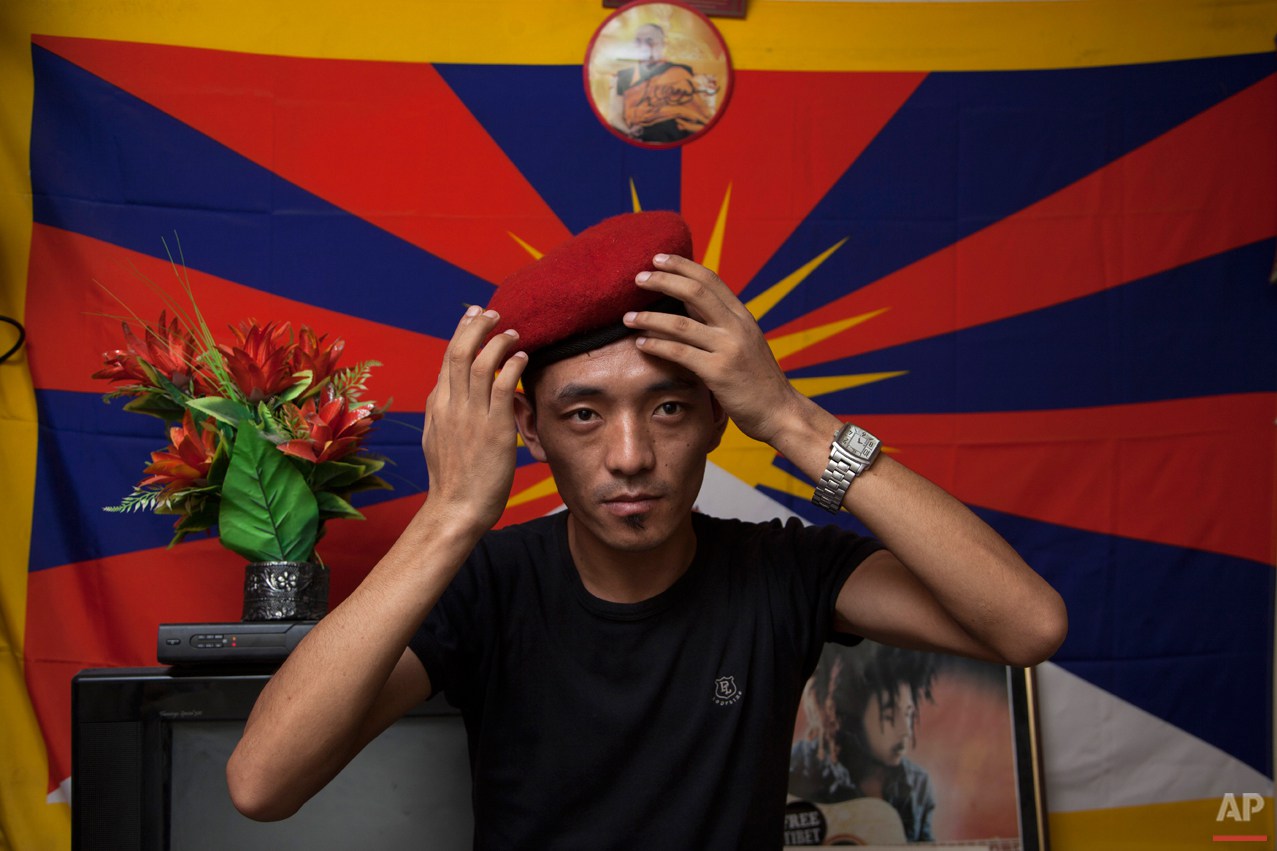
{"x":823,"y":558}
{"x":460,"y":636}
{"x":444,"y":641}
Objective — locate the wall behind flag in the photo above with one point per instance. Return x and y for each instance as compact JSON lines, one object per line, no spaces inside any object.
{"x":1028,"y":243}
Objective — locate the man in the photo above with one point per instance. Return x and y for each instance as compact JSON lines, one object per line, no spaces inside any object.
{"x":862,"y":708}
{"x":629,"y":669}
{"x":659,"y":101}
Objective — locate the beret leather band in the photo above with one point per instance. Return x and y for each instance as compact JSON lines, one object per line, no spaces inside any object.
{"x":597,"y":338}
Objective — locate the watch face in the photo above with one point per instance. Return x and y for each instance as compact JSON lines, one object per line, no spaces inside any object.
{"x":859,"y":442}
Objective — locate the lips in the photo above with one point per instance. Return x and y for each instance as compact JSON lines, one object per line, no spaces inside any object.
{"x":629,"y":504}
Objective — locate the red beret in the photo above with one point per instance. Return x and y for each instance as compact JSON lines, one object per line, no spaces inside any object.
{"x":587,"y":284}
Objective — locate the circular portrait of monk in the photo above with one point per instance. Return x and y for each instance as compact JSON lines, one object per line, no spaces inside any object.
{"x":657,"y":74}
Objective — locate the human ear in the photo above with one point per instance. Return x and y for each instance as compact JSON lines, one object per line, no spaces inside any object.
{"x":719,"y":415}
{"x":525,"y":418}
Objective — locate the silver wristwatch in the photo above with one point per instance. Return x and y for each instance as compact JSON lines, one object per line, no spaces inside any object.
{"x":853,"y":450}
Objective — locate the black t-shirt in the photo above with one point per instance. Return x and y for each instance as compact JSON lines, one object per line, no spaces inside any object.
{"x":660,"y":724}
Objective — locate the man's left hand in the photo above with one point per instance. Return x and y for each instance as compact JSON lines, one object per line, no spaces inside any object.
{"x":720,"y":342}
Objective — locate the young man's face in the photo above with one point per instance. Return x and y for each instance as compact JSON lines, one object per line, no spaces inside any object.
{"x":626,"y":436}
{"x":889,"y":726}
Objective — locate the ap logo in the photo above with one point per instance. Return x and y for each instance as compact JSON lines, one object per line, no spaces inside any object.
{"x":1251,"y":803}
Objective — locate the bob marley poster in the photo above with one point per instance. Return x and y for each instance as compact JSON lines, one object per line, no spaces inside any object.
{"x":895,"y":747}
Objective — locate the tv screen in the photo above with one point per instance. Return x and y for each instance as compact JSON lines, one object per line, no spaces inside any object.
{"x":149,"y":752}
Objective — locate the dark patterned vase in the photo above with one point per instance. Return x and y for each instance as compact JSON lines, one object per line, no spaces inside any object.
{"x":285,"y":591}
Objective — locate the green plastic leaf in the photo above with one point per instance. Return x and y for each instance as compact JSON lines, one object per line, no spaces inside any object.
{"x":156,"y":405}
{"x":335,"y":475}
{"x":220,"y":408}
{"x":342,"y":475}
{"x":369,"y":483}
{"x":371,"y":463}
{"x":200,"y":515}
{"x":332,"y":506}
{"x":139,"y":500}
{"x":221,"y":462}
{"x":270,"y":427}
{"x":349,"y":382}
{"x":300,"y":386}
{"x":200,"y":522}
{"x":202,"y":510}
{"x":268,"y":512}
{"x":164,"y":384}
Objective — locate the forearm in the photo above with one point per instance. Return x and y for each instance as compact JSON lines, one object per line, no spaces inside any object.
{"x":974,"y":576}
{"x":317,"y":710}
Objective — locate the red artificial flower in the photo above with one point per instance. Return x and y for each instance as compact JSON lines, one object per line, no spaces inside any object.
{"x":333,"y":431}
{"x":260,"y":363}
{"x":312,"y":354}
{"x":168,"y":348}
{"x":186,"y":461}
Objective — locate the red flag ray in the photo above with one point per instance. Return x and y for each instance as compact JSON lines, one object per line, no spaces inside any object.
{"x":64,"y":304}
{"x":1199,"y":189}
{"x":387,"y":141}
{"x":1177,"y":472}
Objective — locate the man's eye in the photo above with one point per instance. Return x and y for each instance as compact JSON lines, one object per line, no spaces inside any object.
{"x":669,"y":409}
{"x":582,"y":415}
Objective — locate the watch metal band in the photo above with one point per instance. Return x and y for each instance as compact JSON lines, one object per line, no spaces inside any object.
{"x":844,"y":466}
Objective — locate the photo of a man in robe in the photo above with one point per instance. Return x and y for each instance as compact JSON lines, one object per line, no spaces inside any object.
{"x":657,"y":74}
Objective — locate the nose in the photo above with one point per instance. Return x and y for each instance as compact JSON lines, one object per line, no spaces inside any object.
{"x":902,"y":726}
{"x":630,"y":450}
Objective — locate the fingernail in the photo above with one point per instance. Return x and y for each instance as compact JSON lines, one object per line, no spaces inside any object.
{"x":629,"y":317}
{"x":642,"y":276}
{"x":510,"y":332}
{"x":473,"y":310}
{"x":641,"y":342}
{"x":661,"y":258}
{"x":491,"y":314}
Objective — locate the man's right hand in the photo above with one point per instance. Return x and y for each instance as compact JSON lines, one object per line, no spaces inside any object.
{"x":469,"y":434}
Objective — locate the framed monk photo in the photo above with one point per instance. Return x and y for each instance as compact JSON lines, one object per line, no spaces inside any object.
{"x":901,"y":747}
{"x":657,"y":74}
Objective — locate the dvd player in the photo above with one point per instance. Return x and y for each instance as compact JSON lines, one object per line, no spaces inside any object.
{"x":220,"y":643}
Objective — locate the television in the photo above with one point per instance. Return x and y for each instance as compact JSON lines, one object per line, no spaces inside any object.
{"x":149,"y":748}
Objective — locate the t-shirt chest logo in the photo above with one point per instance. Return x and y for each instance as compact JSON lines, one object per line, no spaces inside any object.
{"x":726,"y":692}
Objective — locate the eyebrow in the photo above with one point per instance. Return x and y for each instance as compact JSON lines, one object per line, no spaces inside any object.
{"x":568,"y":392}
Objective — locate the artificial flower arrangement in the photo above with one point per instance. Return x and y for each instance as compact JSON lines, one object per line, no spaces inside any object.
{"x":270,"y":440}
